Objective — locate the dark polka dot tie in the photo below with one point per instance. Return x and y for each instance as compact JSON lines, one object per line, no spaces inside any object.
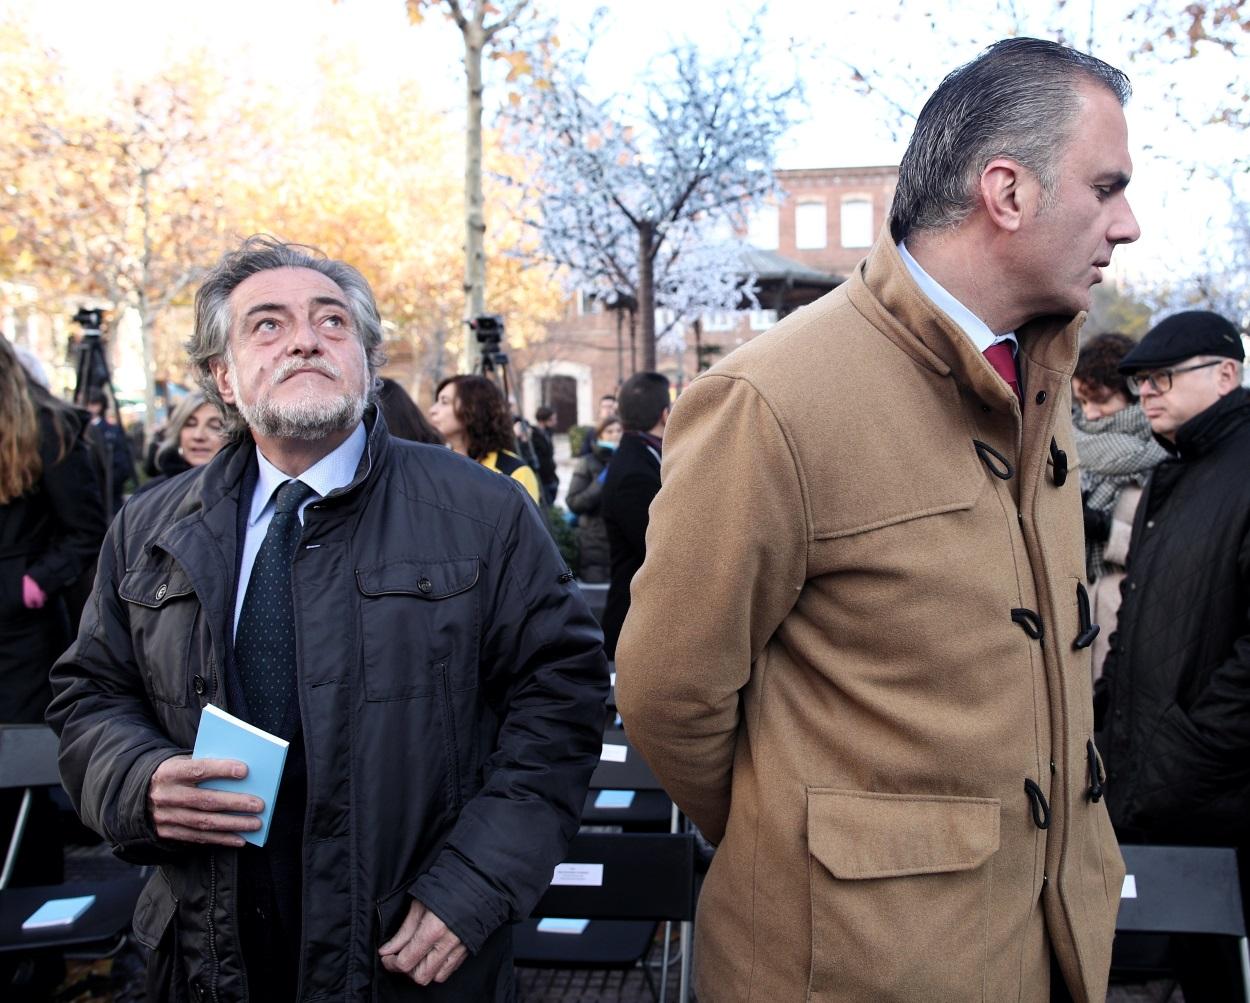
{"x":264,"y":643}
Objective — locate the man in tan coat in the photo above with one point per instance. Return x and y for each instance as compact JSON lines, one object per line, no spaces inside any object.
{"x":858,"y":651}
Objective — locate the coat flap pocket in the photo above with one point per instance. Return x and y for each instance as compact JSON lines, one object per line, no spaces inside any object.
{"x":153,"y":587}
{"x":154,"y":910}
{"x":422,"y":579}
{"x":861,"y":834}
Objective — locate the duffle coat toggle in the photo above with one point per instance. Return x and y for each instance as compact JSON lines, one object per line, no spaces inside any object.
{"x":1088,"y":629}
{"x":1096,"y":777}
{"x":1059,"y":464}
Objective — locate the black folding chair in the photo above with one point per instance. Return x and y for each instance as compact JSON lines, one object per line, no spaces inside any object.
{"x":28,"y":761}
{"x":1184,"y":889}
{"x":625,"y":878}
{"x":621,"y":768}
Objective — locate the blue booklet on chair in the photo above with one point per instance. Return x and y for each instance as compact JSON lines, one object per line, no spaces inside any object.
{"x":224,"y":736}
{"x":58,"y":912}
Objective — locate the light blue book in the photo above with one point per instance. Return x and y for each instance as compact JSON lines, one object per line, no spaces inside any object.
{"x":569,"y":926}
{"x":58,"y":912}
{"x":224,"y":736}
{"x":614,"y":799}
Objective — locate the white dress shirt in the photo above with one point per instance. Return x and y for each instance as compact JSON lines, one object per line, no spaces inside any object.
{"x":974,"y":327}
{"x":334,"y":470}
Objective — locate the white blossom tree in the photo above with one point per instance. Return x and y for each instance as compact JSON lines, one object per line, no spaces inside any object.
{"x":637,"y":196}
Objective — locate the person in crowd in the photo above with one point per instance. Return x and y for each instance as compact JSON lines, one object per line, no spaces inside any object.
{"x":585,"y":499}
{"x":403,"y":418}
{"x":1117,"y":451}
{"x":472,"y":415}
{"x":194,"y":434}
{"x":545,"y":452}
{"x":632,"y":481}
{"x":51,"y":526}
{"x":1174,"y":700}
{"x":116,"y":444}
{"x":877,"y":697}
{"x":399,"y":615}
{"x":607,"y":409}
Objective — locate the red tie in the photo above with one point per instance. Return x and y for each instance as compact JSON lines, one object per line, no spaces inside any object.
{"x":1003,"y":359}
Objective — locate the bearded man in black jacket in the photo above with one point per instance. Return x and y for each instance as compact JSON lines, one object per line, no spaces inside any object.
{"x":397,"y":612}
{"x":1174,"y":699}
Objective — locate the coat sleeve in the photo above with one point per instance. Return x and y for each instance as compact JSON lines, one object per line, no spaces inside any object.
{"x":542,"y":658}
{"x":585,"y":489}
{"x":111,"y":743}
{"x":727,"y":547}
{"x":626,"y":502}
{"x":77,"y":511}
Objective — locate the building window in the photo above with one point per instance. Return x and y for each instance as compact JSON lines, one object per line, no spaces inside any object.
{"x":719,"y":320}
{"x":762,"y":320}
{"x":856,"y":222}
{"x":764,"y":229}
{"x":810,"y":225}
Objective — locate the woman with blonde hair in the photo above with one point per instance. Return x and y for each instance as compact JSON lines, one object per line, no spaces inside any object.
{"x":194,"y":434}
{"x":51,"y":527}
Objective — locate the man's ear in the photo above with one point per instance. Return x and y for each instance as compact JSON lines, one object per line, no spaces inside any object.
{"x":217,"y":366}
{"x":1008,"y":192}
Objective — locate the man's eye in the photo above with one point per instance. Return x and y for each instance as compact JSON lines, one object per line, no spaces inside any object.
{"x":334,"y":320}
{"x":267,"y":324}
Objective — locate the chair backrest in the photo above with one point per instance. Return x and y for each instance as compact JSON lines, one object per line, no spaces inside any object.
{"x":1181,"y":889}
{"x":642,"y":876}
{"x":28,"y":756}
{"x":630,"y":773}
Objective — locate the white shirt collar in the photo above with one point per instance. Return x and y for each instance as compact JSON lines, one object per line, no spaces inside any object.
{"x":974,"y":327}
{"x":334,"y":470}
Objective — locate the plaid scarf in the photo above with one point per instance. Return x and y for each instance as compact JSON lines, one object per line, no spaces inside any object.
{"x":1115,"y":452}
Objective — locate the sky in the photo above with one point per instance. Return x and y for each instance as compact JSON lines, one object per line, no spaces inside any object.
{"x":1179,"y":189}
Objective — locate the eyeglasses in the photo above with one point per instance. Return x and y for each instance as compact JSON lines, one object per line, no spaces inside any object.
{"x":1161,"y":379}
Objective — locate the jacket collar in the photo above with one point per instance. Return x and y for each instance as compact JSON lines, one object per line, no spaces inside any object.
{"x":1204,"y":431}
{"x":884,"y":291}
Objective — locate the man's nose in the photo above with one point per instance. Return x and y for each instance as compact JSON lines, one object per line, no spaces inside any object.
{"x":305,"y":339}
{"x":1124,"y":229}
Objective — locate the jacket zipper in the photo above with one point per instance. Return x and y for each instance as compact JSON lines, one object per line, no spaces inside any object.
{"x":212,"y":927}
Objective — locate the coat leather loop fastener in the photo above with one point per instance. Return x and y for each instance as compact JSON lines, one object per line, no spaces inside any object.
{"x":1095,"y":772}
{"x":1059,"y":472}
{"x":1088,"y":629}
{"x":994,"y":461}
{"x":1038,"y":804}
{"x":1030,"y":622}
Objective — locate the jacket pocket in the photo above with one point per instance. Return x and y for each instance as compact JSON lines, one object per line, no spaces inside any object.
{"x":419,"y":621}
{"x":163,"y":610}
{"x":154,"y":911}
{"x":900,"y":892}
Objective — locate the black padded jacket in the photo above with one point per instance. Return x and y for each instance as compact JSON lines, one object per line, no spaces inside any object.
{"x":1175,"y":694}
{"x":451,"y":692}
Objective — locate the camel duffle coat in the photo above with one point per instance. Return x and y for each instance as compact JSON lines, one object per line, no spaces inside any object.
{"x":858,"y":657}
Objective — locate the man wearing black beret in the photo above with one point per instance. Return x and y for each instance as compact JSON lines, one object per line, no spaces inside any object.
{"x":1174,"y":699}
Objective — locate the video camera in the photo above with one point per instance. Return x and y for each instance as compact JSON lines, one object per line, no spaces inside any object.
{"x":493,"y":361}
{"x":91,"y":364}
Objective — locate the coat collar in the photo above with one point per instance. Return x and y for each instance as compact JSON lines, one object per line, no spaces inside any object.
{"x":884,"y":291}
{"x":1204,"y":431}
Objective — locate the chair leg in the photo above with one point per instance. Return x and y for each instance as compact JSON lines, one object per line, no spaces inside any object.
{"x":668,"y":936}
{"x":687,"y":945}
{"x":1243,"y":947}
{"x":19,"y":829}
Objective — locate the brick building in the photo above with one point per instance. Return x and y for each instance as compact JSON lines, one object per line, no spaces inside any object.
{"x":806,"y":244}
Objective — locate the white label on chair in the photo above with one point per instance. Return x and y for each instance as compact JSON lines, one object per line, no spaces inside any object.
{"x":612,"y":677}
{"x":614,"y":753}
{"x":1129,"y":888}
{"x":584,"y":875}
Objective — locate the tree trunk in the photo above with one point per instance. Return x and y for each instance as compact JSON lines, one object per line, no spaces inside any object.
{"x":646,"y":292}
{"x":145,"y":312}
{"x":474,"y":220}
{"x":633,"y":341}
{"x":620,"y":348}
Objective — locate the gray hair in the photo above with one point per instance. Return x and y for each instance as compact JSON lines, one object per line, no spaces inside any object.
{"x":1018,"y":99}
{"x":262,"y":253}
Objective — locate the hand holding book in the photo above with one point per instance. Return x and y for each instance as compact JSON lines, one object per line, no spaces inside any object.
{"x":184,"y":811}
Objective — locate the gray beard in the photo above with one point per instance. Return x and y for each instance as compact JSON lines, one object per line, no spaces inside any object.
{"x":303,"y":420}
{"x":306,"y":420}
